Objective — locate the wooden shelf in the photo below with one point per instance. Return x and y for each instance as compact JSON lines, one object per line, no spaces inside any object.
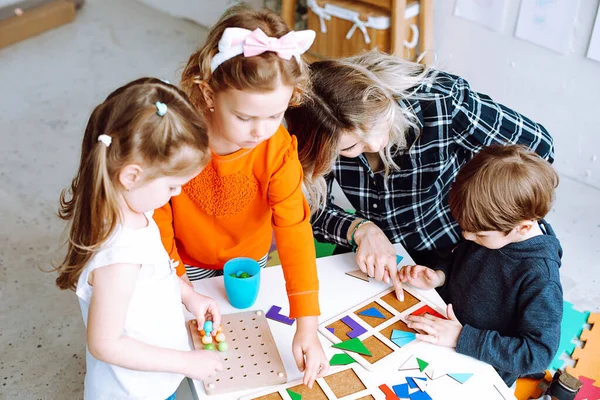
{"x":397,"y":10}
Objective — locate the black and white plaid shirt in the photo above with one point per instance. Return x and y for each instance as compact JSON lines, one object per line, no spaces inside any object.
{"x":455,"y":123}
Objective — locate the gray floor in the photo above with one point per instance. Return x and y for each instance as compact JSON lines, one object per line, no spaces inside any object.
{"x":49,"y":85}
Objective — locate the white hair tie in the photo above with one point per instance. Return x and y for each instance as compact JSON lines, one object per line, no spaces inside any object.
{"x":236,"y":41}
{"x":107,"y":140}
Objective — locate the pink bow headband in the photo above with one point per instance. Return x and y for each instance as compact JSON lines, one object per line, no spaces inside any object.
{"x":236,"y":41}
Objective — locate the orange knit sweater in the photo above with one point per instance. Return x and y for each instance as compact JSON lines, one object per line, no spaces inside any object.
{"x":232,"y":208}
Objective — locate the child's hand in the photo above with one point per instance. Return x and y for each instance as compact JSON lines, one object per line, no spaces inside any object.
{"x":185,"y":278}
{"x":443,"y":332}
{"x":204,"y":308}
{"x":201,"y":364}
{"x":308,"y":352}
{"x":421,"y":277}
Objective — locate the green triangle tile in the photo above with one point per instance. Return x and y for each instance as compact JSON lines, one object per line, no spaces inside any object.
{"x":341,"y":359}
{"x":422,"y":364}
{"x":354,"y":345}
{"x":294,"y":395}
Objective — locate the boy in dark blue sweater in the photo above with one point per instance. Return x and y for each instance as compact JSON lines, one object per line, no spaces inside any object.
{"x":502,"y":284}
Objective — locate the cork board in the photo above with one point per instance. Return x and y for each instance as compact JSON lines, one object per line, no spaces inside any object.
{"x":349,"y":382}
{"x":252,"y":359}
{"x":377,"y":332}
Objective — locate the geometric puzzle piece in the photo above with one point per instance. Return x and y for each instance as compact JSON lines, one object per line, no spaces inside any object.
{"x":409,"y":363}
{"x":341,"y":359}
{"x":354,"y":345}
{"x":587,"y":358}
{"x":422,"y":364}
{"x":372,"y":312}
{"x":357,"y":328}
{"x":331,"y":330}
{"x":401,"y":390}
{"x":422,"y":384}
{"x":461,"y":378}
{"x":412,"y":381}
{"x":427,"y":310}
{"x":588,"y":391}
{"x":419,"y":395}
{"x":274,"y":314}
{"x":571,"y":326}
{"x":434,"y":373}
{"x":389,"y":393}
{"x":294,"y":395}
{"x":398,"y":259}
{"x":403,"y":341}
{"x":359,"y":275}
{"x":397,"y":334}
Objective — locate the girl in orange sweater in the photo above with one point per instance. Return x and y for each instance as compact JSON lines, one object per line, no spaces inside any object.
{"x":243,"y":79}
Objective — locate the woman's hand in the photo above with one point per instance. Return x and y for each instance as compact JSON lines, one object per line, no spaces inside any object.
{"x":376,"y":256}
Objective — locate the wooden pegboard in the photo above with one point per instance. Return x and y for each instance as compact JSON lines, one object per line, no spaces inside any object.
{"x":252,"y":359}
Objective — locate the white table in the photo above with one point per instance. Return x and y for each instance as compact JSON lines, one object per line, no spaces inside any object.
{"x":339,"y":292}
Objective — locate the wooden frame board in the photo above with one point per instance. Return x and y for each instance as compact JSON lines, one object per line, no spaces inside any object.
{"x":252,"y":359}
{"x":377,"y":335}
{"x":345,"y":383}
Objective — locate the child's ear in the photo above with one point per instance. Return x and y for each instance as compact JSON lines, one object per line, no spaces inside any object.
{"x":525,"y":227}
{"x":207,"y":93}
{"x":130,"y":176}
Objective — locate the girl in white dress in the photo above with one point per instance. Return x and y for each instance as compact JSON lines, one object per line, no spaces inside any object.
{"x":140,"y":146}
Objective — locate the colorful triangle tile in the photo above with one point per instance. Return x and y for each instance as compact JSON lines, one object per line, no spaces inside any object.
{"x":354,"y":345}
{"x":398,"y":259}
{"x":422,"y":364}
{"x":359,"y":275}
{"x":411,"y":382}
{"x":332,"y":330}
{"x":402,"y":334}
{"x":341,"y":359}
{"x":401,"y":390}
{"x":409,"y":363}
{"x":294,"y":395}
{"x":372,"y":312}
{"x":462,"y":378}
{"x":422,"y":384}
{"x":401,"y":342}
{"x":419,"y":395}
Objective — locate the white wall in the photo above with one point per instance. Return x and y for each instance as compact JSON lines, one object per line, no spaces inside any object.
{"x":562,"y":92}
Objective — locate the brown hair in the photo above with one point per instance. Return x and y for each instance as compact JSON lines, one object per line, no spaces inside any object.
{"x":501,"y":187}
{"x":169,"y":145}
{"x":258,"y":73}
{"x":352,"y":95}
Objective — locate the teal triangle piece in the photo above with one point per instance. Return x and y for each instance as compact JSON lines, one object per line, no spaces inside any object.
{"x":462,"y":378}
{"x":401,"y":342}
{"x":354,"y":345}
{"x":396,"y":334}
{"x":398,"y":259}
{"x":294,"y":395}
{"x":422,"y":364}
{"x":372,"y":312}
{"x":341,"y":359}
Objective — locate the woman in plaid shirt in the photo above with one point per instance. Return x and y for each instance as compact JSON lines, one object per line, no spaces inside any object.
{"x":394,"y":134}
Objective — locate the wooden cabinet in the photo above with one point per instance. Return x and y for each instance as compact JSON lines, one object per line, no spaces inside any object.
{"x":333,"y":43}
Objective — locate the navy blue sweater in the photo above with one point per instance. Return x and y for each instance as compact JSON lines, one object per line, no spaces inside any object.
{"x":509,"y":301}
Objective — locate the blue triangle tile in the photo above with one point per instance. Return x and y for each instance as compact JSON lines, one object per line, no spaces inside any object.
{"x":372,"y":312}
{"x":462,"y":378}
{"x":398,"y":259}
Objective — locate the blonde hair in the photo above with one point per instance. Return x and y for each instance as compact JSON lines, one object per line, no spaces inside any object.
{"x":352,"y":95}
{"x":501,"y":187}
{"x":173,"y":144}
{"x":263,"y":72}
